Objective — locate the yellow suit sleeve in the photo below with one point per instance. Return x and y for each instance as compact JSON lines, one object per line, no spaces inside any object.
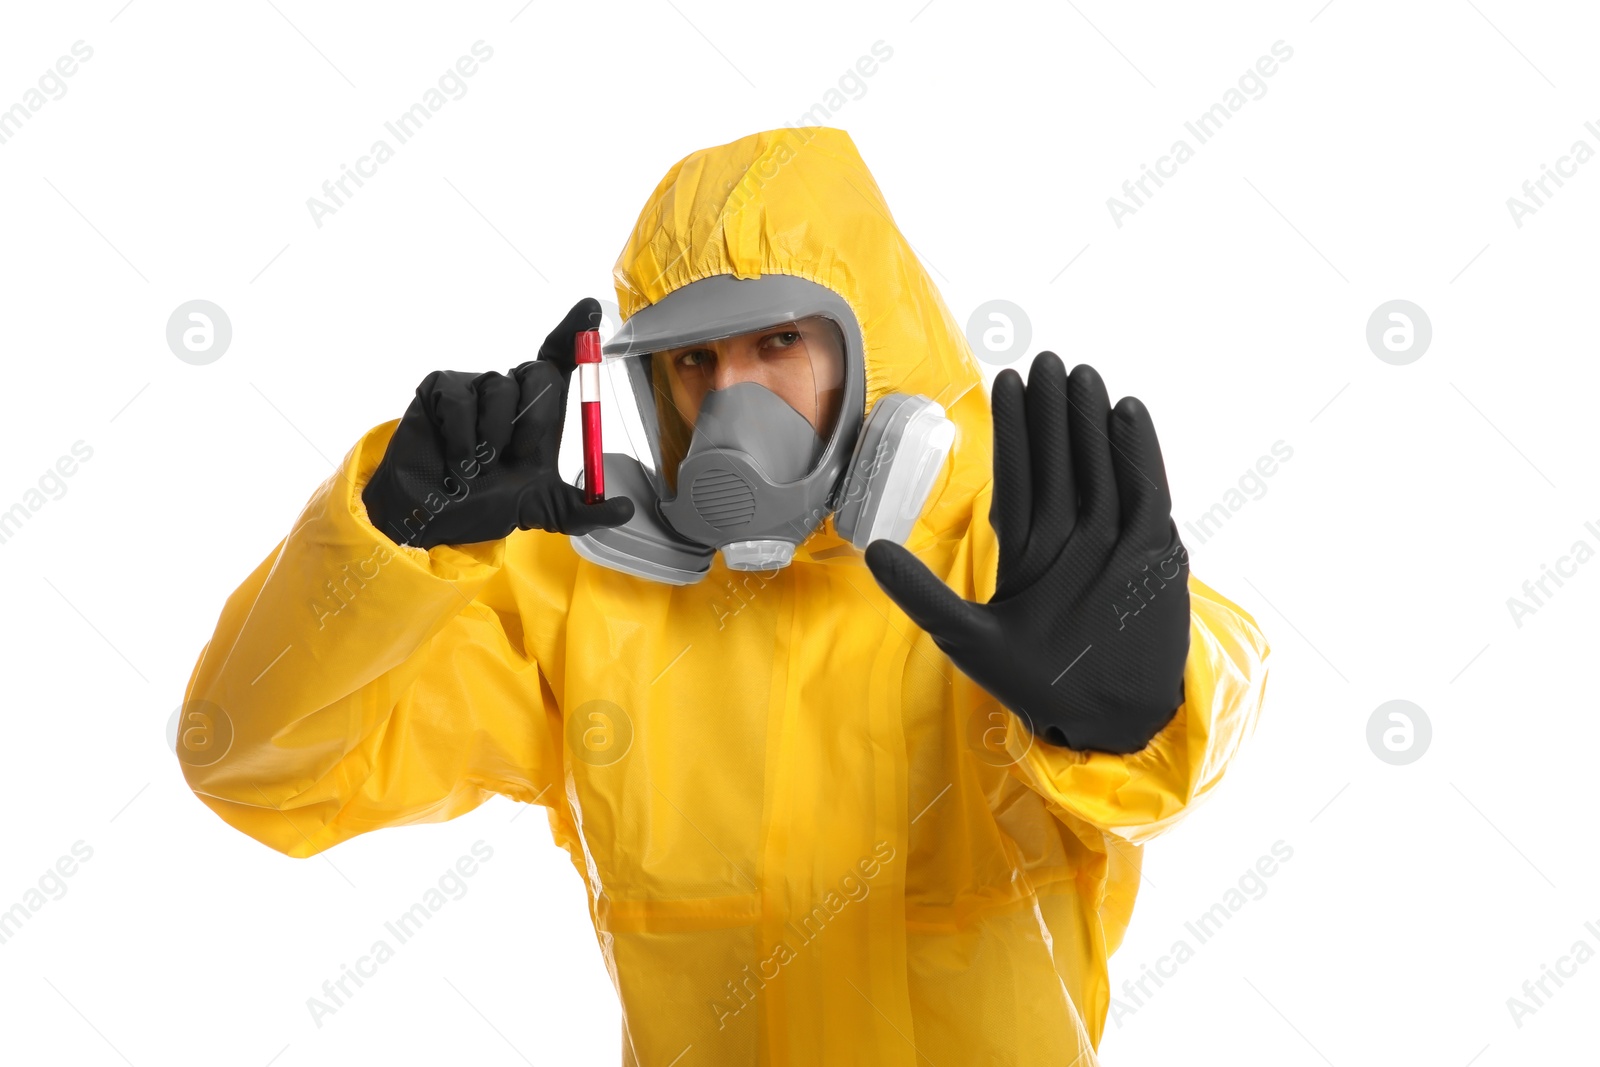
{"x":353,"y":683}
{"x":1137,"y":796}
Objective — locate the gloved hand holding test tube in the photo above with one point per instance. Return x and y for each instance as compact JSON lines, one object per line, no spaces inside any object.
{"x":474,"y":457}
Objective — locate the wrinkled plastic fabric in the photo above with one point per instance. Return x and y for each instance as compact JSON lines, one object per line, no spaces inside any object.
{"x":807,"y":838}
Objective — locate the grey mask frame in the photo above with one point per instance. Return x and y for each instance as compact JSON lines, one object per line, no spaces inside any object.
{"x":672,"y":535}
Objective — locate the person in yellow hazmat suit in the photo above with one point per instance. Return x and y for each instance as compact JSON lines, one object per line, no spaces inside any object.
{"x":855,"y":701}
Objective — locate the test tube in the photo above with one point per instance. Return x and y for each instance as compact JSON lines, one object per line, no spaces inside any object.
{"x":587,"y":357}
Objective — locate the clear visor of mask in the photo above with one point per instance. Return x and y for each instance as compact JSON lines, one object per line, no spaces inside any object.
{"x":773,"y":394}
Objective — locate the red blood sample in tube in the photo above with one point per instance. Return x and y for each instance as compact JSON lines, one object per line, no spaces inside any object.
{"x":587,"y":357}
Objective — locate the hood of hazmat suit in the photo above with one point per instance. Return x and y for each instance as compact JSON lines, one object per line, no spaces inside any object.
{"x":806,"y":837}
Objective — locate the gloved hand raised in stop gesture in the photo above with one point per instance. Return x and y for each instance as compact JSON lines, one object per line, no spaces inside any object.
{"x":474,"y":456}
{"x":1086,"y":635}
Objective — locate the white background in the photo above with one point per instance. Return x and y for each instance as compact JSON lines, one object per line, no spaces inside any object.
{"x":1379,"y":560}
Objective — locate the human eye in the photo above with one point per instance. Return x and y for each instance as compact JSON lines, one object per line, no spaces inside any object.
{"x":780,"y":339}
{"x":693,"y":358}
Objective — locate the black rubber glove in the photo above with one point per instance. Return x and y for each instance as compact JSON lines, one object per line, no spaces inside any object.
{"x":1087,"y":632}
{"x":474,"y":456}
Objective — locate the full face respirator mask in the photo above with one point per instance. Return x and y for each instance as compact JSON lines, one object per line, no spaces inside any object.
{"x":743,"y":400}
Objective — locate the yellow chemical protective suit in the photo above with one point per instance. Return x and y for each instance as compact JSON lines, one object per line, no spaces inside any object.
{"x":807,"y":838}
